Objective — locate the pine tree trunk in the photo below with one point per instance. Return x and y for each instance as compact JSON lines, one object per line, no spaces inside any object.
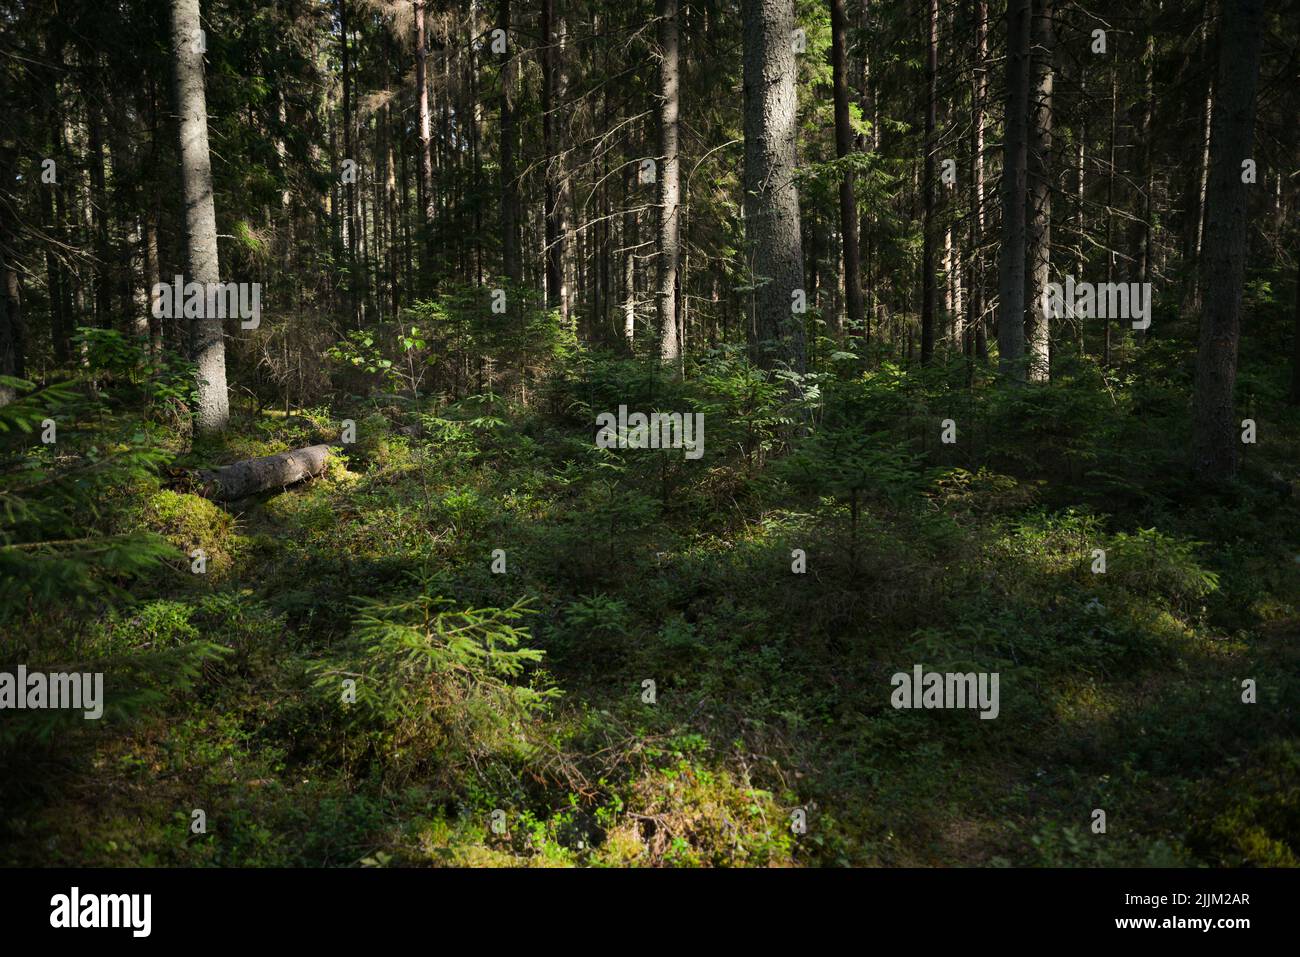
{"x":978,"y":324}
{"x":848,"y":200}
{"x":1038,"y":222}
{"x":554,"y":240}
{"x":1215,"y":444}
{"x":428,"y":197}
{"x":771,"y":198}
{"x":1201,"y":172}
{"x":12,"y":331}
{"x":213,"y":412}
{"x":927,"y":184}
{"x":1011,"y":260}
{"x":510,"y":217}
{"x":1110,"y":205}
{"x":630,"y":241}
{"x":669,"y":186}
{"x":355,"y":267}
{"x":1295,"y":342}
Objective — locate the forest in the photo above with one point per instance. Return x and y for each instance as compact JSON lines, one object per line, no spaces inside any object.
{"x":657,"y":433}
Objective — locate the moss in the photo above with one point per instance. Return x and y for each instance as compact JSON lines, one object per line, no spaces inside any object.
{"x":191,"y":522}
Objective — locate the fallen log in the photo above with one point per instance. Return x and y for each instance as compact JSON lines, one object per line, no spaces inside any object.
{"x":241,"y":479}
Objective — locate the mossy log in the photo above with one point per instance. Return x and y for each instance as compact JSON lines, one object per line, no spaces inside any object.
{"x":242,"y":479}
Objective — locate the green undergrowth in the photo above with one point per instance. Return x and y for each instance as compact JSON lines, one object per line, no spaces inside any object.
{"x":479,"y":639}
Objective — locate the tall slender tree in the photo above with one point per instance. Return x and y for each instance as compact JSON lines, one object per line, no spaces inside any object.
{"x":424,"y":132}
{"x":1011,"y":257}
{"x":975,"y":325}
{"x":843,"y":146}
{"x":771,"y":198}
{"x":927,"y":183}
{"x":510,"y":213}
{"x":12,"y":329}
{"x":1215,"y":438}
{"x":200,"y":222}
{"x":552,"y":213}
{"x":1038,"y":221}
{"x":669,"y":252}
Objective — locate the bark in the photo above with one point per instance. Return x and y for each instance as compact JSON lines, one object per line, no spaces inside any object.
{"x":11,"y":305}
{"x":869,"y":143}
{"x":393,"y":207}
{"x":1080,"y":229}
{"x":54,"y":274}
{"x":1215,"y":439}
{"x":1295,"y":343}
{"x":630,"y":241}
{"x":51,"y":207}
{"x":152,"y":275}
{"x":843,"y":146}
{"x":1110,"y":205}
{"x":552,"y":212}
{"x":1200,"y":176}
{"x":99,"y":214}
{"x":670,"y":352}
{"x":1011,"y":261}
{"x":63,"y":347}
{"x":264,"y":474}
{"x":1139,"y":240}
{"x":213,"y":412}
{"x":927,"y":185}
{"x":510,"y":212}
{"x":355,"y":267}
{"x":771,"y":198}
{"x":979,"y":94}
{"x":425,"y":134}
{"x":1038,"y":223}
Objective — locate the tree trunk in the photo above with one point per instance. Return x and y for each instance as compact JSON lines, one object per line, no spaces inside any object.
{"x":1038,"y":223}
{"x":99,"y":216}
{"x":848,"y":201}
{"x":12,"y":333}
{"x":511,"y":262}
{"x":1011,"y":260}
{"x":213,"y":412}
{"x":1142,"y":255}
{"x":630,"y":241}
{"x":1295,"y":341}
{"x":426,"y":143}
{"x":670,"y":353}
{"x":979,"y":94}
{"x":554,"y":240}
{"x":927,"y":184}
{"x":1196,"y":202}
{"x":355,"y":267}
{"x":771,"y":199}
{"x":1110,"y":205}
{"x":1215,"y":442}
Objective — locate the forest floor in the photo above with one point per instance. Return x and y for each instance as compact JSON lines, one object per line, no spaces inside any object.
{"x":1119,"y":691}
